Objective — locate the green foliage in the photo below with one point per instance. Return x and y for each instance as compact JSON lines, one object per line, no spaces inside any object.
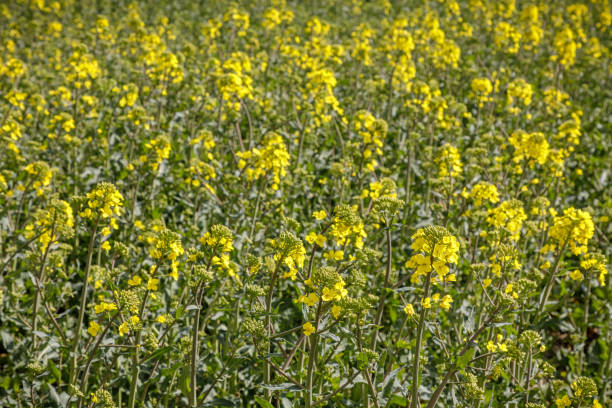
{"x":305,"y":204}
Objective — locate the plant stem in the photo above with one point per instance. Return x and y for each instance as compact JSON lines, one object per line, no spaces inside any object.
{"x":417,"y":355}
{"x":38,"y":296}
{"x":268,"y":368}
{"x":528,"y":376}
{"x":312,"y":355}
{"x":551,"y":280}
{"x":383,"y":295}
{"x":77,"y":334}
{"x":193,"y":400}
{"x":135,"y":356}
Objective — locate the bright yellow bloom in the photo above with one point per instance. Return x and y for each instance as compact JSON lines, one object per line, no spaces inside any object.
{"x":409,"y":310}
{"x":563,"y":402}
{"x":319,"y":215}
{"x":335,"y":311}
{"x":104,"y":307}
{"x":308,"y":328}
{"x":153,"y":284}
{"x":310,"y":300}
{"x":135,"y":280}
{"x":93,"y":329}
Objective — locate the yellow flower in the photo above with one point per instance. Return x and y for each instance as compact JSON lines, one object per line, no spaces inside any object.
{"x":446,"y":301}
{"x":135,"y":281}
{"x":335,"y":311}
{"x":563,"y":402}
{"x":313,"y":237}
{"x":103,"y":307}
{"x":93,"y":329}
{"x":123,"y":329}
{"x":161,"y":319}
{"x":319,"y":215}
{"x":153,"y":284}
{"x":409,"y":310}
{"x":310,"y":300}
{"x":576,"y":275}
{"x":426,"y":302}
{"x":308,"y":328}
{"x":574,"y":228}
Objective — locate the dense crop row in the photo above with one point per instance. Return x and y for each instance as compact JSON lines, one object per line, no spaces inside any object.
{"x":305,"y":204}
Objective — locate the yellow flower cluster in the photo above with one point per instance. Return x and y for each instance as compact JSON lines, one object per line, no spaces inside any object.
{"x":435,"y":248}
{"x":234,"y":81}
{"x":273,"y":157}
{"x":361,"y":44}
{"x":320,"y":87}
{"x":167,"y":245}
{"x":289,"y":251}
{"x":347,"y":224}
{"x":220,"y":243}
{"x":482,"y":191}
{"x":532,"y":147}
{"x":507,"y":38}
{"x":449,"y":162}
{"x":372,"y":131}
{"x":52,"y":222}
{"x":521,"y":91}
{"x":443,"y":51}
{"x":326,"y":285}
{"x":133,"y":323}
{"x":499,"y":345}
{"x":103,"y":307}
{"x":103,"y":201}
{"x":481,"y":90}
{"x":81,"y":69}
{"x":274,"y":17}
{"x":444,"y":302}
{"x":40,"y":175}
{"x":531,"y":27}
{"x":508,"y":215}
{"x":574,"y":229}
{"x":565,"y":45}
{"x":597,"y":263}
{"x":160,"y":147}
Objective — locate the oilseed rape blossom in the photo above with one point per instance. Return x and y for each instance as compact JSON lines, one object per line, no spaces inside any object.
{"x":366,"y":204}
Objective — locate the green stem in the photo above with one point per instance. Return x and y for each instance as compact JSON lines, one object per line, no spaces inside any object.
{"x":268,"y":368}
{"x":551,"y":279}
{"x":312,"y":355}
{"x":417,"y":355}
{"x":135,"y":356}
{"x":383,"y":295}
{"x":38,"y":296}
{"x":77,"y":334}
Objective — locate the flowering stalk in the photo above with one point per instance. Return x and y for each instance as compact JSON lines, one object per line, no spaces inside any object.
{"x":312,"y":355}
{"x":77,"y":334}
{"x":38,"y":295}
{"x":268,"y":368}
{"x":550,"y":281}
{"x":383,"y":295}
{"x":193,"y":401}
{"x":135,"y":356}
{"x":417,"y":353}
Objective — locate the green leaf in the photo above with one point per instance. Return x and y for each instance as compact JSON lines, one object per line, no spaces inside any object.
{"x":263,"y":403}
{"x":54,"y":370}
{"x":462,"y":361}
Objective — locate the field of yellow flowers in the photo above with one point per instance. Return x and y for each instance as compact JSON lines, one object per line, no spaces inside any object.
{"x":317,"y":203}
